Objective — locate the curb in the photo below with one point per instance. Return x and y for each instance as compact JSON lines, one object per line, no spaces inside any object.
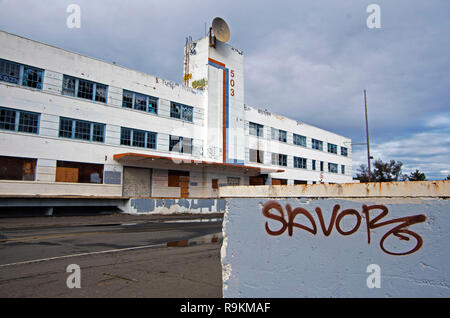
{"x":206,"y":239}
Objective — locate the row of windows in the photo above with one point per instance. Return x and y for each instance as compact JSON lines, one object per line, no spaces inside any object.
{"x":257,"y":156}
{"x":29,"y":76}
{"x":24,"y":121}
{"x":281,"y":135}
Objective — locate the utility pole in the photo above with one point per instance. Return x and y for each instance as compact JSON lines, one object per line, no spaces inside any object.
{"x":367,"y":135}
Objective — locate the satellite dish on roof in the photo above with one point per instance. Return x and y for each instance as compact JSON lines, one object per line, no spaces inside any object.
{"x":221,"y":29}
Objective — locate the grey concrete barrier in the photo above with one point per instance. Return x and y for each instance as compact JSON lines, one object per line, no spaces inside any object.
{"x":358,"y":240}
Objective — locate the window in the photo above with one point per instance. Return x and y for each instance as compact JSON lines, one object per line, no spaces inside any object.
{"x":81,"y":88}
{"x":233,"y":181}
{"x":174,"y":177}
{"x":16,"y":73}
{"x":181,"y":111}
{"x":19,"y":120}
{"x":317,"y":144}
{"x":78,"y":172}
{"x":344,"y":151}
{"x":140,"y":102}
{"x":180,"y":144}
{"x":332,"y":167}
{"x":313,"y":164}
{"x":299,"y":162}
{"x":342,"y":169}
{"x":300,"y":182}
{"x":32,"y":77}
{"x":137,"y":138}
{"x":332,"y":148}
{"x":321,"y":166}
{"x":299,"y":140}
{"x":256,"y":129}
{"x":276,"y":181}
{"x":82,"y":130}
{"x":215,"y":183}
{"x":278,"y":134}
{"x":15,"y":168}
{"x":256,"y":156}
{"x":279,"y":159}
{"x":9,"y":72}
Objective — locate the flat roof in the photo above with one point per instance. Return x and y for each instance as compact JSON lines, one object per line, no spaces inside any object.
{"x":136,"y":158}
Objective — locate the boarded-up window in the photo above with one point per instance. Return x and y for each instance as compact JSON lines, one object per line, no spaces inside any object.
{"x":78,"y":172}
{"x":15,"y":168}
{"x":279,"y":181}
{"x":256,"y":180}
{"x":215,"y":184}
{"x":174,"y":177}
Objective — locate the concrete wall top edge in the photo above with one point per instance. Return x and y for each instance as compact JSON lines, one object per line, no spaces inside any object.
{"x":439,"y":189}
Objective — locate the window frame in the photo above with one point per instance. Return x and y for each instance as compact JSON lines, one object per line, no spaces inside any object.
{"x":300,"y":163}
{"x":279,"y":134}
{"x":151,"y":102}
{"x":182,"y":109}
{"x":316,"y":144}
{"x":332,"y":148}
{"x":180,"y":144}
{"x":22,"y":68}
{"x":73,"y":134}
{"x":280,"y":159}
{"x":132,"y":141}
{"x":301,"y":137}
{"x":18,"y":115}
{"x":77,"y":92}
{"x":259,"y":155}
{"x":255,"y":129}
{"x":334,"y":165}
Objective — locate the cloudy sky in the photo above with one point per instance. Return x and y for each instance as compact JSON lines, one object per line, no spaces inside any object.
{"x":307,"y":59}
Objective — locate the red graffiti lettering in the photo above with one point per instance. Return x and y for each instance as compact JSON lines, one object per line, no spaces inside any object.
{"x":401,"y":231}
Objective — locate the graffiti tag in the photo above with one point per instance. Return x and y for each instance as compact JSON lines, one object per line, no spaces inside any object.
{"x":400,"y":231}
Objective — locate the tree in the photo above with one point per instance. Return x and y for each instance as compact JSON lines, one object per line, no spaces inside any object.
{"x":382,"y":172}
{"x":417,"y":176}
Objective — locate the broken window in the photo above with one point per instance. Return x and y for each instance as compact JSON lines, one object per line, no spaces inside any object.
{"x":181,"y":111}
{"x":78,"y":172}
{"x":256,"y":156}
{"x":16,"y":73}
{"x":9,"y":72}
{"x":32,"y":77}
{"x":15,"y":168}
{"x":19,"y":120}
{"x":180,"y":144}
{"x":68,"y":86}
{"x":81,"y":88}
{"x":80,"y":129}
{"x":140,"y":102}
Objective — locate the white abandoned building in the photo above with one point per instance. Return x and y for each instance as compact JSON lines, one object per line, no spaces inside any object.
{"x":71,"y":125}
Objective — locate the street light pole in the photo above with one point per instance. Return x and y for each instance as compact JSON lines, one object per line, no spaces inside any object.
{"x":367,"y":134}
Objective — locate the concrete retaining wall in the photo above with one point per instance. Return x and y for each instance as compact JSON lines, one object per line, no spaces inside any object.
{"x":379,"y":243}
